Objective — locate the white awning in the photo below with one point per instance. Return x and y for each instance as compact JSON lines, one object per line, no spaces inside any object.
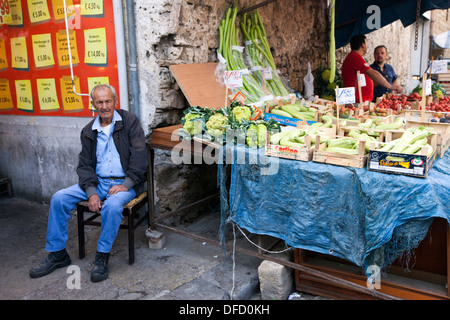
{"x":443,"y":40}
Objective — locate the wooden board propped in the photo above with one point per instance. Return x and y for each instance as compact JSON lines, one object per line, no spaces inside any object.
{"x":199,"y":84}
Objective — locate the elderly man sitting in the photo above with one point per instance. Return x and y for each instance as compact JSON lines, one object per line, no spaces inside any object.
{"x":113,"y":159}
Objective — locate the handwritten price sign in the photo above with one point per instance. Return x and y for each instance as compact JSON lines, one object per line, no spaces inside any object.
{"x":346,"y":95}
{"x":428,"y":88}
{"x":234,"y":78}
{"x":439,"y":66}
{"x":267,"y":73}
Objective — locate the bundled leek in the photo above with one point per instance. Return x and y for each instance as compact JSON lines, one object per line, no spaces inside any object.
{"x":258,"y":49}
{"x":235,"y":61}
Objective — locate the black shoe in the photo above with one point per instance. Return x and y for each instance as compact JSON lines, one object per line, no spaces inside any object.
{"x":100,"y":271}
{"x":53,"y":261}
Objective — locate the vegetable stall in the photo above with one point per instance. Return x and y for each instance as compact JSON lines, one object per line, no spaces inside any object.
{"x":349,"y":187}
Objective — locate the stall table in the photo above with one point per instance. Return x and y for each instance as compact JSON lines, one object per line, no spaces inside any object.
{"x":352,"y":216}
{"x":165,"y":139}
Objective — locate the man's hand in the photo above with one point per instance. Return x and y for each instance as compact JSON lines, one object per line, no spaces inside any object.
{"x":117,"y":188}
{"x":398,"y":88}
{"x":94,"y":203}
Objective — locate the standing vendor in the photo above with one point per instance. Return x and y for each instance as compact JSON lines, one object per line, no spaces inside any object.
{"x":386,"y":70}
{"x":355,"y":62}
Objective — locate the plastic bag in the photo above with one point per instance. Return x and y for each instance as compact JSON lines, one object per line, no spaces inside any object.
{"x":220,"y":70}
{"x":308,"y":82}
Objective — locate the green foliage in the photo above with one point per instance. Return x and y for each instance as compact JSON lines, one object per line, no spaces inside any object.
{"x":322,"y":86}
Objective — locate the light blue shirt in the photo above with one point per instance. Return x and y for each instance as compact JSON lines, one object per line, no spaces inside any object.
{"x":108,"y":159}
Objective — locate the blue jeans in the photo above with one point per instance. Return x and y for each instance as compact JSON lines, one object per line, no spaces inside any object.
{"x":65,"y":200}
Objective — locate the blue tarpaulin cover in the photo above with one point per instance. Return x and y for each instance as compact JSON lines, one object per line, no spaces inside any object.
{"x":362,"y":216}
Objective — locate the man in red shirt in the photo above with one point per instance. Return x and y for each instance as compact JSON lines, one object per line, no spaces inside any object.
{"x":354,"y":62}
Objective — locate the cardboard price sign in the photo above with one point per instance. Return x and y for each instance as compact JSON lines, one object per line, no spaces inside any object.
{"x":346,"y":95}
{"x":439,"y":66}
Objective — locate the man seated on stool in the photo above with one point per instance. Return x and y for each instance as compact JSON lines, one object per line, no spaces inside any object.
{"x":113,"y":159}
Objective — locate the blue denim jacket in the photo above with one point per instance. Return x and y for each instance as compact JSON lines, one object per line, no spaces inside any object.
{"x":388,"y":73}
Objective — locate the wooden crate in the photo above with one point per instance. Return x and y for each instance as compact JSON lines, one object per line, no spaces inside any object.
{"x":412,"y":164}
{"x":441,"y":129}
{"x":288,"y":121}
{"x":416,"y":115}
{"x":357,"y":161}
{"x":303,"y":124}
{"x":343,"y":130}
{"x":444,"y":80}
{"x":295,"y":153}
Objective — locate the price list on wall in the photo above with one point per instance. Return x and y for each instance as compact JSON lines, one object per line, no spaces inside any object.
{"x":35,"y":74}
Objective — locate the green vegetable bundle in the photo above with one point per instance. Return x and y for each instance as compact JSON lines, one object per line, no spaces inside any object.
{"x":258,"y":50}
{"x":235,"y":119}
{"x":343,"y":145}
{"x":368,"y":126}
{"x":332,"y":44}
{"x":194,"y":121}
{"x":295,"y":110}
{"x":228,"y":33}
{"x":296,"y":137}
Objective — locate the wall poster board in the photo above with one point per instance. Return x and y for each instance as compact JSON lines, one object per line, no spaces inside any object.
{"x":35,"y":76}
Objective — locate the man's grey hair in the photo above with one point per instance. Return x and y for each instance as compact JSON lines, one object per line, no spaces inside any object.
{"x":113,"y":90}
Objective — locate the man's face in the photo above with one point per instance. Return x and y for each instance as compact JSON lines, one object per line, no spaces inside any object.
{"x":380,"y":55}
{"x":364,"y":48}
{"x":104,"y":103}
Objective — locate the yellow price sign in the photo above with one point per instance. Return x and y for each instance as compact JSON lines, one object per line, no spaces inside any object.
{"x":42,"y":49}
{"x":19,"y":53}
{"x":38,"y":11}
{"x":48,"y":99}
{"x":16,"y":13}
{"x":5,"y":12}
{"x":95,"y":47}
{"x":91,"y":7}
{"x":70,"y":101}
{"x":3,"y":59}
{"x":63,"y":50}
{"x":58,"y":9}
{"x":24,"y":95}
{"x":5,"y":95}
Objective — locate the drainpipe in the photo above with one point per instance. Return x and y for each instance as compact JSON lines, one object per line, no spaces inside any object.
{"x":121,"y":59}
{"x":134,"y":79}
{"x":121,"y":56}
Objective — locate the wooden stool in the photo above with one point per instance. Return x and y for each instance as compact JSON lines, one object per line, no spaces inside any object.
{"x":4,"y":182}
{"x":129,"y":211}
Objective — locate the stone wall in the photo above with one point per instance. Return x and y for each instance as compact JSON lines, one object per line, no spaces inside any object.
{"x":440,"y":22}
{"x":178,"y":32}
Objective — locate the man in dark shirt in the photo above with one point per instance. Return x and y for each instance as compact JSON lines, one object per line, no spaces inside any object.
{"x":386,"y":70}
